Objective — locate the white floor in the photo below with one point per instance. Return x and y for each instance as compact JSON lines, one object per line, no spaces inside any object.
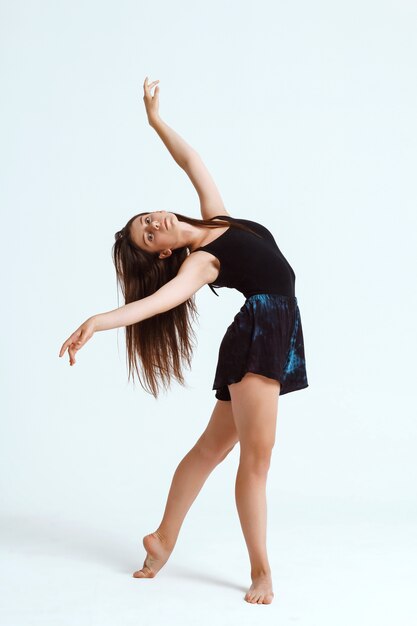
{"x":329,"y":567}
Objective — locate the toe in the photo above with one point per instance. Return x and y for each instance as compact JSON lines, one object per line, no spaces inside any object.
{"x":145,"y":572}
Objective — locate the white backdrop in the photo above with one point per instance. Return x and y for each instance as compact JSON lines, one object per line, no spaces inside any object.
{"x":304,"y":113}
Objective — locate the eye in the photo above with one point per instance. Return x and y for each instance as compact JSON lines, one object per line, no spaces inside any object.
{"x":150,"y":236}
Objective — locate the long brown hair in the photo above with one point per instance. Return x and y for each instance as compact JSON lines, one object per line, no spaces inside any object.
{"x":163,"y":342}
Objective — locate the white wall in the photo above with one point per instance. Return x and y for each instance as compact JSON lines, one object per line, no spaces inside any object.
{"x":305,"y":115}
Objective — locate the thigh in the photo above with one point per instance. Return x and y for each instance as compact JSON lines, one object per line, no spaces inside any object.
{"x":220,"y":434}
{"x":255,"y":408}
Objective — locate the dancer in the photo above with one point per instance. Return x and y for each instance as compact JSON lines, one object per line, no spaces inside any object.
{"x":162,"y":259}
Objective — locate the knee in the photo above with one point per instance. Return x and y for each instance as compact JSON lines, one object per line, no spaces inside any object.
{"x":213,"y":451}
{"x":256,"y":458}
{"x":226,"y":452}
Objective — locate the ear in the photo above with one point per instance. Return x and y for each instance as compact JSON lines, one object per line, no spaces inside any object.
{"x":165,"y":253}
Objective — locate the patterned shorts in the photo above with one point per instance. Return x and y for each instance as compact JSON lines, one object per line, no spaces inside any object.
{"x":265,"y":337}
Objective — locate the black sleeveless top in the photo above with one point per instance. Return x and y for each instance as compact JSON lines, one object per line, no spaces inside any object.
{"x":249,"y":263}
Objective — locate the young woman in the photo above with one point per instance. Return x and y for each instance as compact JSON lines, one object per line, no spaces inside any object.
{"x":162,"y":259}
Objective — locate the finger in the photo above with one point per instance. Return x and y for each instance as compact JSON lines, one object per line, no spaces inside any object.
{"x":68,"y":342}
{"x":64,"y":347}
{"x":76,"y":345}
{"x":71,"y":352}
{"x":147,"y":86}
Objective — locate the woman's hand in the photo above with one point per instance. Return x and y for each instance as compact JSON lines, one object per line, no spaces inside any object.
{"x":151,"y":102}
{"x":78,"y":339}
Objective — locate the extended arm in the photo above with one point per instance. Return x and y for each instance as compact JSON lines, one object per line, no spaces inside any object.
{"x":211,"y":203}
{"x":193,"y":274}
{"x":179,"y":149}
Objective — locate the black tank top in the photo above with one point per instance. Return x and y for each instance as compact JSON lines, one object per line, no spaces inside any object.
{"x":248,"y":263}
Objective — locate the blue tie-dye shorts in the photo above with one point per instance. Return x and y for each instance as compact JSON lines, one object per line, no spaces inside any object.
{"x":265,"y":337}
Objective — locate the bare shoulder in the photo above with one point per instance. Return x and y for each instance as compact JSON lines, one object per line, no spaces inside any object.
{"x":202,"y":263}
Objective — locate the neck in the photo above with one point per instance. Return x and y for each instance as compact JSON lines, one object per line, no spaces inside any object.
{"x":194,"y":236}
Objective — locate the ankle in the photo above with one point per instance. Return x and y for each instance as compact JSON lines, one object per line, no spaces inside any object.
{"x":167,"y":541}
{"x":258,"y":572}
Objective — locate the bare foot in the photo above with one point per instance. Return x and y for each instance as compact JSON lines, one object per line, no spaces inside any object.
{"x":260,"y":591}
{"x":157,"y":555}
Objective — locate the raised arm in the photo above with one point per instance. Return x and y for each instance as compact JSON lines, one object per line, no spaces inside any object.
{"x":211,"y":203}
{"x":177,"y":146}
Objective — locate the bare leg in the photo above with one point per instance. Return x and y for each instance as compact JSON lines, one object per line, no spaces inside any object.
{"x":255,"y":405}
{"x":212,"y":447}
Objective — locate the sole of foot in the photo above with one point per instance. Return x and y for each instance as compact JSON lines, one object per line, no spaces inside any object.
{"x":156,"y":557}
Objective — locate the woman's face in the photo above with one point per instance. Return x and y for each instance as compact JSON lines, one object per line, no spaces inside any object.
{"x":156,"y":231}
